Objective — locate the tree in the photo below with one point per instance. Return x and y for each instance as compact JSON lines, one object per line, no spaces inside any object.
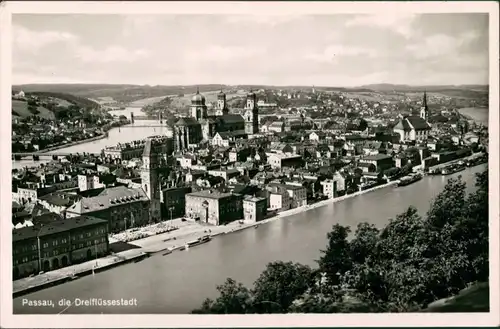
{"x":336,"y":257}
{"x":234,"y":299}
{"x":279,"y":285}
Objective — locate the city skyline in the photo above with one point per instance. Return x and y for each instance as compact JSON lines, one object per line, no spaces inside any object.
{"x":345,"y":50}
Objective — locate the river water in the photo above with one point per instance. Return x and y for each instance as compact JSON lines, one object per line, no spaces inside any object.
{"x":179,"y":282}
{"x":478,"y":114}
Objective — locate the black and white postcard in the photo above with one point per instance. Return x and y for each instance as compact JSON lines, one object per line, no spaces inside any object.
{"x":241,"y":164}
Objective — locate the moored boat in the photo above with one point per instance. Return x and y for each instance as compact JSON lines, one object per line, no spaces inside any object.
{"x":409,"y":180}
{"x":203,"y":239}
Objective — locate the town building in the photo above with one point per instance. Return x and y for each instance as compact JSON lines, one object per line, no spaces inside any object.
{"x":254,"y":208}
{"x":282,"y":160}
{"x":58,"y":244}
{"x":376,"y":163}
{"x":279,"y":201}
{"x":213,"y":207}
{"x":122,"y":207}
{"x":173,"y":201}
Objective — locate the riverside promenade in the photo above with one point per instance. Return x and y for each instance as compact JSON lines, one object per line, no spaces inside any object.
{"x":44,"y":280}
{"x":157,"y":243}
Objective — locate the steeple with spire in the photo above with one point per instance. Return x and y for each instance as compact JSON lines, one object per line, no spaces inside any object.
{"x":424,"y":110}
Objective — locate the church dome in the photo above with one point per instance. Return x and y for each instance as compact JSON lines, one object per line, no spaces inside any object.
{"x":198,"y":99}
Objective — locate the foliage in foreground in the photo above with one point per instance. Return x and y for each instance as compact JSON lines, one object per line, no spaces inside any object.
{"x":403,"y":267}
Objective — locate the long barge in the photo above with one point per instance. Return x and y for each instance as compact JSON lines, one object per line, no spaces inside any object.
{"x":409,"y":180}
{"x":197,"y":242}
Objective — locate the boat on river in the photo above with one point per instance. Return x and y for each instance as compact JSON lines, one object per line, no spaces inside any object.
{"x":409,"y":180}
{"x":452,"y":169}
{"x":203,"y":239}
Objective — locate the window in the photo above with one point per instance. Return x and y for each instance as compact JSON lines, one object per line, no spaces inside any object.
{"x":45,"y":245}
{"x":54,"y":243}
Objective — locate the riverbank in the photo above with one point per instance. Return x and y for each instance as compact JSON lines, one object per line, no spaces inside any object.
{"x":88,"y":140}
{"x":31,"y":284}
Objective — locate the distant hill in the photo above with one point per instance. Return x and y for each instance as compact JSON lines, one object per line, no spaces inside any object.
{"x":391,"y":87}
{"x":127,"y":93}
{"x":120,"y":93}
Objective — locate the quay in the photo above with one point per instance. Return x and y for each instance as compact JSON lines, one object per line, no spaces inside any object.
{"x":31,"y":284}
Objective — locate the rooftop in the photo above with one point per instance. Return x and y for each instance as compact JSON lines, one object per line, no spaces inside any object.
{"x":108,"y":198}
{"x":55,"y":227}
{"x":376,"y":157}
{"x":211,"y":194}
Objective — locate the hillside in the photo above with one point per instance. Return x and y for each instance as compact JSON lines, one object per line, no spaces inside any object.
{"x":65,"y":100}
{"x":21,"y":109}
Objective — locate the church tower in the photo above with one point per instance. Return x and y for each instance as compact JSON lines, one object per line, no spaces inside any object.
{"x":222,"y":108}
{"x":424,"y":110}
{"x":198,"y":106}
{"x":150,"y":179}
{"x":251,"y":115}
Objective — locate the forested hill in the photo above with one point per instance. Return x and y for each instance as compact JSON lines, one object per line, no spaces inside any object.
{"x":76,"y":100}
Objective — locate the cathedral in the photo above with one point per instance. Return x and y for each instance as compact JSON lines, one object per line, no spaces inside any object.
{"x":200,"y":126}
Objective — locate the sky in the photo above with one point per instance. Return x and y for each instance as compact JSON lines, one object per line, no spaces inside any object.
{"x":322,"y":50}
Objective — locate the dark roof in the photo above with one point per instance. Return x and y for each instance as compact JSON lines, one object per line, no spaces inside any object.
{"x":376,"y":157}
{"x":46,"y":218}
{"x":186,"y":121}
{"x":403,"y":125}
{"x":354,"y":137}
{"x":55,"y":227}
{"x":58,"y":199}
{"x":231,"y":118}
{"x":418,"y":123}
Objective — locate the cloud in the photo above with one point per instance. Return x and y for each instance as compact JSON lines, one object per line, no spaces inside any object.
{"x":441,"y":45}
{"x":110,"y":54}
{"x":400,"y":23}
{"x":25,"y":39}
{"x":217,"y":53}
{"x":333,"y":52}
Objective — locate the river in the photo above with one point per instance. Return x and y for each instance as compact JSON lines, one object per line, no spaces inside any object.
{"x":478,"y":114}
{"x":179,"y":282}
